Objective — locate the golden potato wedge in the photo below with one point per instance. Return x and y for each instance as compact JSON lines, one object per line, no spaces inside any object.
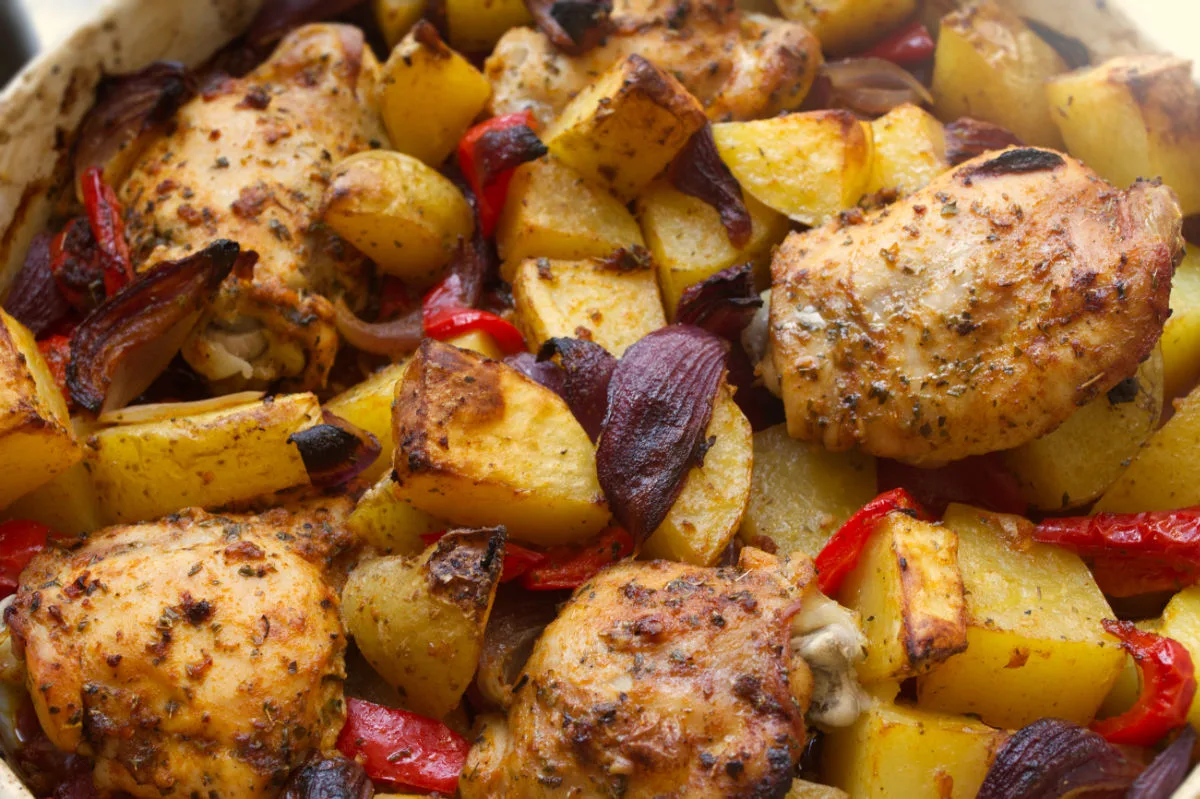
{"x":369,"y":405}
{"x":405,"y":216}
{"x":383,"y":519}
{"x":36,"y":438}
{"x":626,"y":126}
{"x":1181,"y":335}
{"x":396,"y":17}
{"x":808,"y":166}
{"x":476,"y":25}
{"x":1134,"y":117}
{"x":689,"y":244}
{"x":1181,"y":621}
{"x":420,"y":623}
{"x":1035,"y":646}
{"x":613,"y":302}
{"x":151,"y":469}
{"x":429,"y":96}
{"x":67,"y":504}
{"x":846,"y":26}
{"x":801,"y":492}
{"x":709,"y":509}
{"x":897,"y":751}
{"x":464,"y":452}
{"x":990,"y":65}
{"x":910,"y":150}
{"x":1074,"y":465}
{"x":554,"y":212}
{"x":802,"y":789}
{"x":908,"y":591}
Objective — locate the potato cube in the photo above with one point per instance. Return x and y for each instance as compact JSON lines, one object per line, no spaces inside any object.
{"x":801,"y":789}
{"x":146,"y":470}
{"x":901,"y":752}
{"x":464,"y":452}
{"x":689,"y":244}
{"x":36,"y":439}
{"x":67,"y":503}
{"x":476,"y":25}
{"x":801,"y":492}
{"x":1035,"y":646}
{"x":429,"y":95}
{"x":808,"y":166}
{"x":709,"y":509}
{"x":626,"y":126}
{"x":401,"y":213}
{"x":990,"y":65}
{"x":1075,"y":463}
{"x":554,"y":212}
{"x":908,"y":591}
{"x":1181,"y":335}
{"x":612,"y":303}
{"x":910,"y":150}
{"x":1134,"y":117}
{"x":1181,"y":621}
{"x":383,"y":519}
{"x":846,"y":26}
{"x":396,"y":17}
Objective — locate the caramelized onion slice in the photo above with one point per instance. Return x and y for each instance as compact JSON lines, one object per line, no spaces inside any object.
{"x":547,"y":373}
{"x":1168,"y":771}
{"x":324,"y":777}
{"x":498,"y":151}
{"x":517,"y":620}
{"x":394,"y":339}
{"x":660,"y":401}
{"x":699,"y":172}
{"x":1052,"y":758}
{"x":121,"y":347}
{"x":967,"y":138}
{"x":722,"y":304}
{"x":276,"y":17}
{"x":587,"y":370}
{"x":335,"y":451}
{"x":872,"y":86}
{"x":34,"y":299}
{"x":573,"y":26}
{"x":162,"y":411}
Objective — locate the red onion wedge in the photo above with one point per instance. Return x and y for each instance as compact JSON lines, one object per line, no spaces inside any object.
{"x":699,"y":171}
{"x":394,"y":339}
{"x":498,"y":151}
{"x":967,"y":138}
{"x":34,"y":299}
{"x":275,"y":18}
{"x":722,"y":304}
{"x":547,"y":373}
{"x":517,"y":620}
{"x":121,"y":347}
{"x":871,"y":87}
{"x":1051,"y":758}
{"x":660,"y":401}
{"x":573,"y":26}
{"x":587,"y":371}
{"x":1168,"y":771}
{"x":324,"y":777}
{"x":335,"y":451}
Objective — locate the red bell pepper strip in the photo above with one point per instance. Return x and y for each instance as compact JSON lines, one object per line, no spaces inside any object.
{"x":56,"y":350}
{"x":571,"y":567}
{"x":443,"y":323}
{"x":20,"y":540}
{"x":1121,"y":576}
{"x":491,"y":190}
{"x":911,"y":44}
{"x":1168,"y":686}
{"x":517,"y":559}
{"x":841,"y":553}
{"x":401,"y":748}
{"x":104,"y":217}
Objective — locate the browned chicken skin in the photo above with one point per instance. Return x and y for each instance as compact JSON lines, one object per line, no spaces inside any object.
{"x":975,"y":315}
{"x":196,"y":656}
{"x":740,"y":66}
{"x":250,"y":161}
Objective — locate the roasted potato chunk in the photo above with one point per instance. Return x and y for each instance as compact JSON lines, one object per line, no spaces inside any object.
{"x":420,"y":622}
{"x":989,"y":65}
{"x":383,"y":519}
{"x":689,"y":244}
{"x":613,"y":302}
{"x":1035,"y":647}
{"x":148,"y":470}
{"x":36,"y":438}
{"x":369,"y":405}
{"x":908,"y":591}
{"x":396,"y":17}
{"x":1181,"y":621}
{"x":844,"y":26}
{"x":476,"y":25}
{"x":1181,"y":334}
{"x":429,"y":96}
{"x":1134,"y":117}
{"x":801,"y":492}
{"x":67,"y":504}
{"x":910,"y":150}
{"x":1073,"y":465}
{"x":709,"y":509}
{"x":808,"y":166}
{"x":802,"y":789}
{"x":407,"y":217}
{"x":464,"y":451}
{"x":554,"y":212}
{"x":625,"y":127}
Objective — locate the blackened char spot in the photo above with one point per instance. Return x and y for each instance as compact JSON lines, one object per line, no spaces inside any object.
{"x":1016,"y":162}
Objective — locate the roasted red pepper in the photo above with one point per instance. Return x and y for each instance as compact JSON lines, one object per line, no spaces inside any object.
{"x":517,"y":559}
{"x":841,"y":553}
{"x":401,"y":748}
{"x":571,"y":567}
{"x":911,"y":44}
{"x":78,"y":266}
{"x":395,"y":299}
{"x":20,"y":540}
{"x":443,"y":323}
{"x":487,"y":155}
{"x":104,"y":216}
{"x":1168,"y":686}
{"x":56,"y":350}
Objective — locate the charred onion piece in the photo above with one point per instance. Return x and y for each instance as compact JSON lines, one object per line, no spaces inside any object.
{"x":34,"y":299}
{"x":573,"y":26}
{"x":394,"y":339}
{"x":967,"y":138}
{"x":587,"y":370}
{"x":322,"y":777}
{"x":128,"y":107}
{"x":547,"y":373}
{"x":335,"y":451}
{"x":660,"y":401}
{"x":871,"y":86}
{"x":1168,"y":771}
{"x":121,"y":347}
{"x":699,"y":171}
{"x":507,"y":148}
{"x":722,"y":304}
{"x":1052,"y":758}
{"x":276,"y":17}
{"x":1072,"y":50}
{"x":516,"y":622}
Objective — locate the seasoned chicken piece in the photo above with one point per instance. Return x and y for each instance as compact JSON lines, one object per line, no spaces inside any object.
{"x":659,"y":679}
{"x":249,"y":160}
{"x":195,"y":656}
{"x":975,"y":315}
{"x":740,"y":66}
